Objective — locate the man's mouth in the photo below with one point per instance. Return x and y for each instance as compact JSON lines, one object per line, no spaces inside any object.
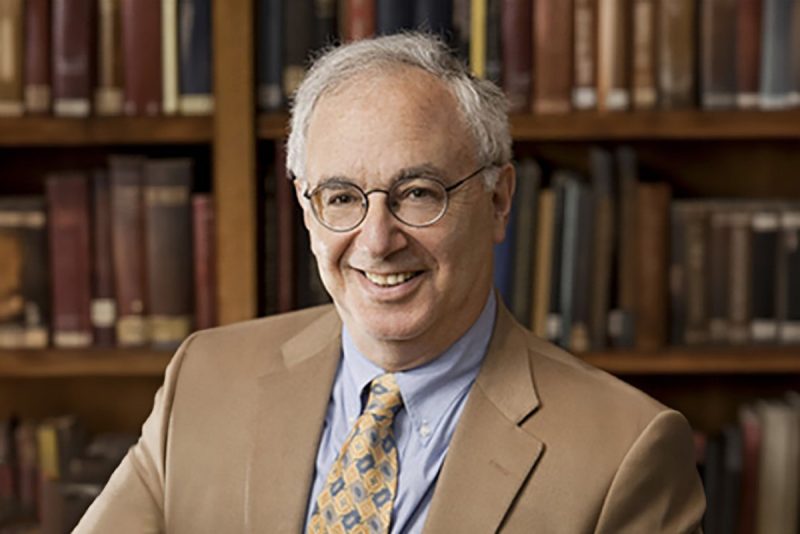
{"x":390,"y":280}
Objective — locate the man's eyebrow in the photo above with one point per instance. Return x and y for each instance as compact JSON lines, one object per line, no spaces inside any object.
{"x":425,"y":169}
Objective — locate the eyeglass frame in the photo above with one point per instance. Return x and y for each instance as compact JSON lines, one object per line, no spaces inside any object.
{"x":365,"y":198}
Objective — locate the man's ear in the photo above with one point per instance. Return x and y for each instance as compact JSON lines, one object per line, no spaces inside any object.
{"x":299,"y":188}
{"x":502,"y":197}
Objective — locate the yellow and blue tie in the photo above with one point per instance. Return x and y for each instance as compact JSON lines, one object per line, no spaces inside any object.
{"x":359,"y":491}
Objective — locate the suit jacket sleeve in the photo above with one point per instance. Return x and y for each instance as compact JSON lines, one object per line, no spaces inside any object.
{"x":655,"y":488}
{"x":133,"y":500}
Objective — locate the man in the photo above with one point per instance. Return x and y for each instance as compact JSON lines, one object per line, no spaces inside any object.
{"x":415,"y":403}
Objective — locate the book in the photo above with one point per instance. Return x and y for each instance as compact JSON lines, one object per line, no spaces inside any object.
{"x":204,"y":252}
{"x":788,"y":291}
{"x":142,"y":56}
{"x":652,"y":246}
{"x":718,"y":50}
{"x":601,"y":164}
{"x":461,"y":28}
{"x":584,"y":60}
{"x":554,"y":324}
{"x":579,"y":336}
{"x":104,"y":306}
{"x":477,"y":37}
{"x":748,"y":52}
{"x":739,"y":290}
{"x":775,"y":90}
{"x":644,"y":87}
{"x":574,"y":194}
{"x":36,"y":79}
{"x":25,"y":298}
{"x":622,"y":316}
{"x":732,"y":466}
{"x":168,"y":250}
{"x":677,"y":39}
{"x":393,"y":16}
{"x":719,"y":265}
{"x":171,"y":25}
{"x":494,"y":42}
{"x":127,"y":239}
{"x":72,"y":57}
{"x":750,"y":426}
{"x":195,"y":93}
{"x":763,"y":274}
{"x":269,"y":54}
{"x":528,"y":183}
{"x":325,"y":32}
{"x":359,"y":22}
{"x":435,"y":16}
{"x":108,"y":97}
{"x":299,"y":42}
{"x":697,"y":274}
{"x":517,"y":49}
{"x":552,"y":53}
{"x":776,"y":507}
{"x":70,"y":258}
{"x":542,"y":274}
{"x":12,"y":24}
{"x":613,"y":91}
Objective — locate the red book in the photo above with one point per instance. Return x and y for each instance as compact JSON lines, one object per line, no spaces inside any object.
{"x":70,"y":261}
{"x":37,"y":56}
{"x":359,"y":20}
{"x":517,"y":51}
{"x":286,"y":204}
{"x":748,"y":52}
{"x":141,"y":51}
{"x":104,"y":307}
{"x":584,"y":89}
{"x":205,"y":261}
{"x":73,"y":65}
{"x":552,"y":62}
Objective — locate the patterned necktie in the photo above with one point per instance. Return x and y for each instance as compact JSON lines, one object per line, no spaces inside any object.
{"x":359,"y":491}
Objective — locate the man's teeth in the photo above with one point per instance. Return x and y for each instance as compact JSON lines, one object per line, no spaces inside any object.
{"x":389,"y":279}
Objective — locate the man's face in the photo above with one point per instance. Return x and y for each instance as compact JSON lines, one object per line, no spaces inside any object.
{"x":404,"y":293}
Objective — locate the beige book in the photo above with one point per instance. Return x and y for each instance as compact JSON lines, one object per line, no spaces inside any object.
{"x":169,"y":56}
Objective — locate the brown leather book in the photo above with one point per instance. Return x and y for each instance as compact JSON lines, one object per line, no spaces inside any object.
{"x":104,"y":306}
{"x":73,"y":59}
{"x":748,"y":52}
{"x":719,"y":266}
{"x":651,"y":272}
{"x":677,"y":53}
{"x":168,"y":250}
{"x":739,"y":293}
{"x":697,"y":274}
{"x":205,"y":261}
{"x":644,"y":94}
{"x":718,"y":61}
{"x":516,"y":53}
{"x":602,"y":172}
{"x":108,"y":93}
{"x":11,"y":57}
{"x":359,"y":19}
{"x":24,"y":286}
{"x":38,"y":90}
{"x":141,"y":52}
{"x":70,"y":259}
{"x":584,"y":89}
{"x":552,"y":56}
{"x":286,"y":204}
{"x":127,"y":245}
{"x":613,"y":70}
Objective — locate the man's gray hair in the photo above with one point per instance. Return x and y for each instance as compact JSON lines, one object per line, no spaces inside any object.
{"x":483,"y":104}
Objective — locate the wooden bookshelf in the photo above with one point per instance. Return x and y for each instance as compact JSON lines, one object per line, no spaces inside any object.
{"x":54,"y":131}
{"x":701,"y":361}
{"x":95,"y":362}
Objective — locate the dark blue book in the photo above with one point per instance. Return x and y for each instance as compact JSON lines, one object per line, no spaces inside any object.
{"x":504,"y":258}
{"x":269,"y":54}
{"x":195,"y":92}
{"x":393,"y":16}
{"x":435,"y":16}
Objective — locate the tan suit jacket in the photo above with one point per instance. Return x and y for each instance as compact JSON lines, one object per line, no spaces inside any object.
{"x":545,"y":444}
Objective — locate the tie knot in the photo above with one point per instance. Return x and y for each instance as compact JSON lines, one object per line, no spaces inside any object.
{"x":384,"y":397}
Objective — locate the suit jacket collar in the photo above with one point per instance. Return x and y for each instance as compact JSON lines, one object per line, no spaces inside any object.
{"x":487,"y":462}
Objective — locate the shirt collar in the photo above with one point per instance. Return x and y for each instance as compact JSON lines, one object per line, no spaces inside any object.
{"x":428,"y":391}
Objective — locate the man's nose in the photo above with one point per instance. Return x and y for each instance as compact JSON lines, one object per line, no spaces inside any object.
{"x":380,"y":233}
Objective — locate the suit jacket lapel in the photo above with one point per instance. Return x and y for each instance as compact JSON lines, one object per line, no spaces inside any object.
{"x":490,"y":455}
{"x":292,"y":403}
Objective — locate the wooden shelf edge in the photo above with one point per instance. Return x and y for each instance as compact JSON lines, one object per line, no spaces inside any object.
{"x":50,"y":363}
{"x":49,"y":131}
{"x":700,"y":361}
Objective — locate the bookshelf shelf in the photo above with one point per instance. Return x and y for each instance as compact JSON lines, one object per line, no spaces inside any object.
{"x":53,"y":131}
{"x":273,"y":126}
{"x":700,"y":361}
{"x":49,"y":363}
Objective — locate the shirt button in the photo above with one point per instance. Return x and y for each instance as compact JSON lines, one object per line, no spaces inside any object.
{"x":424,"y":430}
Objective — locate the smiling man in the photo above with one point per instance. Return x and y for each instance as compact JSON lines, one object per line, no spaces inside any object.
{"x":415,"y":403}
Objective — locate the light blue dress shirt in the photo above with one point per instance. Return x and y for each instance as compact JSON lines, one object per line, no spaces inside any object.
{"x":433,"y":399}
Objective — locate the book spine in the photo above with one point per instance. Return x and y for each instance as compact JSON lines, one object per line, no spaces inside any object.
{"x":677,"y":82}
{"x":104,"y":306}
{"x":554,"y":327}
{"x":494,"y":42}
{"x":776,"y":69}
{"x":528,"y":178}
{"x":360,"y":23}
{"x":435,"y":16}
{"x":172,"y":28}
{"x":142,"y":56}
{"x":393,"y":16}
{"x":719,"y":265}
{"x":127,"y":240}
{"x":748,"y":52}
{"x":37,"y":57}
{"x":194,"y":53}
{"x":72,"y":57}
{"x":579,"y":339}
{"x":299,"y":39}
{"x":11,"y":58}
{"x":677,"y":274}
{"x":584,"y":89}
{"x":70,"y":264}
{"x":325,"y":32}
{"x":168,"y":250}
{"x":643,"y":62}
{"x":696,"y":267}
{"x":552,"y":56}
{"x":739,"y":291}
{"x":789,"y":289}
{"x":718,"y":67}
{"x":108,"y":93}
{"x":517,"y":49}
{"x":270,"y":55}
{"x":601,"y":163}
{"x":622,"y":325}
{"x":205,"y":261}
{"x":542,"y":275}
{"x":477,"y":37}
{"x":763,"y":271}
{"x":613,"y":93}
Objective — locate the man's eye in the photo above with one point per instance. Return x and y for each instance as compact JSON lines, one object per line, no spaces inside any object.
{"x":341,"y":199}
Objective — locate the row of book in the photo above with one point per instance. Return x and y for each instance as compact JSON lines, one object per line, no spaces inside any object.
{"x":751,"y":470}
{"x":609,"y":260}
{"x":121,"y":257}
{"x":553,"y":56}
{"x":74,"y":58}
{"x":51,"y":471}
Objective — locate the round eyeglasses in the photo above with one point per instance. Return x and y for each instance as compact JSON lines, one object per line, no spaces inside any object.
{"x":418,"y":201}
